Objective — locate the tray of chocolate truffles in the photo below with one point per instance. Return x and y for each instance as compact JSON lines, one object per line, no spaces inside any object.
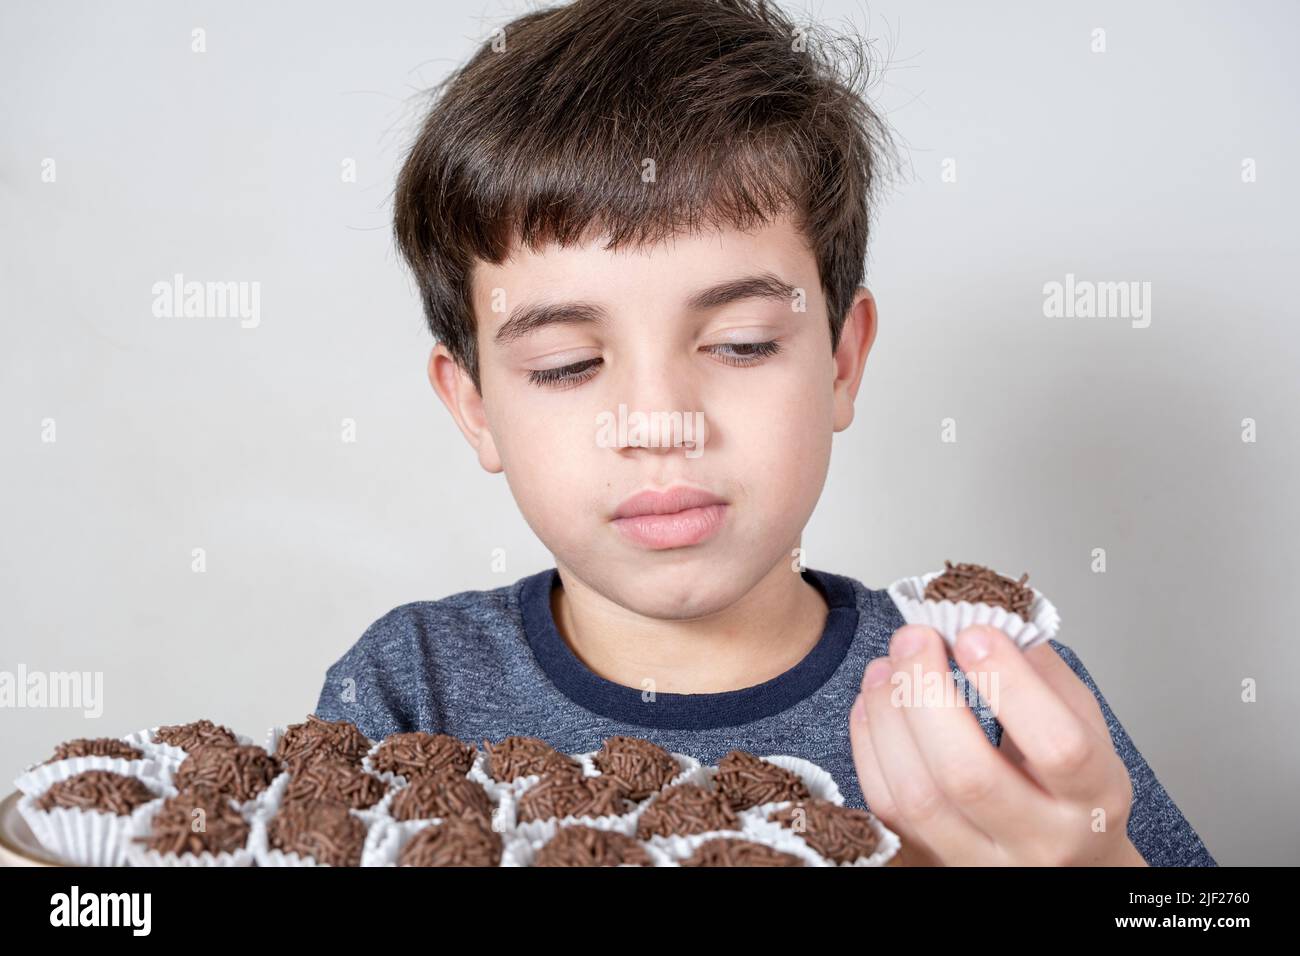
{"x":320,"y":793}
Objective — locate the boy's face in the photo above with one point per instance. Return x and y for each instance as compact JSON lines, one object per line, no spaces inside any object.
{"x":661,"y":330}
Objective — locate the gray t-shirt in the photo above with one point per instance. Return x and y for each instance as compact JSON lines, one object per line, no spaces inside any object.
{"x":485,"y":665}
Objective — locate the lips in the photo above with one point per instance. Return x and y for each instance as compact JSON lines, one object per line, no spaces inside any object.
{"x":676,"y":518}
{"x":666,"y":502}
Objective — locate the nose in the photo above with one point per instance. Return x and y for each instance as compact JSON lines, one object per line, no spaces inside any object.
{"x":658,"y":410}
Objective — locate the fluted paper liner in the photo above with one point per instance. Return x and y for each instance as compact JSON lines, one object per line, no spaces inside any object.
{"x":165,"y":753}
{"x":397,"y":779}
{"x":820,"y":784}
{"x":88,"y":837}
{"x":142,"y":826}
{"x":265,"y":809}
{"x":40,"y":777}
{"x":950,"y":618}
{"x":691,"y":771}
{"x":388,"y":837}
{"x":521,"y":848}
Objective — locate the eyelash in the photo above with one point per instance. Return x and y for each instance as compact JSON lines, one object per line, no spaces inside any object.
{"x":575,"y":374}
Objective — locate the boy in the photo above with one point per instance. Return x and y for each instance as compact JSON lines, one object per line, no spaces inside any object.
{"x":662,"y":206}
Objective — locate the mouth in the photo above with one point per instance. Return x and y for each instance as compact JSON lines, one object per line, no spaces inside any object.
{"x":676,"y":518}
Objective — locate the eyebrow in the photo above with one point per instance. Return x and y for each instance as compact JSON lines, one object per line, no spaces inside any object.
{"x":526,"y":319}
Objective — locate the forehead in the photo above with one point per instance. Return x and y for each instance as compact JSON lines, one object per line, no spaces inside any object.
{"x":670,"y":272}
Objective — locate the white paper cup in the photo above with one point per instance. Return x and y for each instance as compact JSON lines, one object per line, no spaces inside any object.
{"x":166,"y":753}
{"x":950,"y":618}
{"x":40,"y":777}
{"x":142,"y":826}
{"x":88,"y":837}
{"x":887,"y":842}
{"x":388,"y":837}
{"x":821,"y":785}
{"x":259,"y":840}
{"x":521,"y":849}
{"x":677,"y":848}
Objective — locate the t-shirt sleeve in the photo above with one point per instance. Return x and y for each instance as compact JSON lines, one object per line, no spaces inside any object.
{"x":364,"y":685}
{"x":1156,"y":826}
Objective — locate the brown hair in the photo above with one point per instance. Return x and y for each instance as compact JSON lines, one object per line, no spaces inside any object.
{"x":544,"y":137}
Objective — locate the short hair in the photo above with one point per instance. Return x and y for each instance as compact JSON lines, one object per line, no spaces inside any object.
{"x":744,"y":115}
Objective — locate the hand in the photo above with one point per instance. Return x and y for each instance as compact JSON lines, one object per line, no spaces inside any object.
{"x":1054,"y":794}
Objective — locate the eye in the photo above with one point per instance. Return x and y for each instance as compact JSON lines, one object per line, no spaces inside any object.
{"x":566,"y":376}
{"x":744,"y":353}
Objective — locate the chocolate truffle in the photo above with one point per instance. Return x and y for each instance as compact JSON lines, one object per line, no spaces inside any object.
{"x":189,"y":736}
{"x":416,"y":753}
{"x":980,"y":585}
{"x":518,"y":757}
{"x":840,"y":834}
{"x":748,"y":781}
{"x":457,"y":841}
{"x":564,"y":794}
{"x":728,"y":851}
{"x":173,"y":830}
{"x":446,"y":794}
{"x":317,"y":738}
{"x":100,"y":790}
{"x":589,"y":846}
{"x":96,"y":747}
{"x":331,"y":778}
{"x":241,"y":772}
{"x":327,"y":832}
{"x":685,"y":809}
{"x":643,"y":767}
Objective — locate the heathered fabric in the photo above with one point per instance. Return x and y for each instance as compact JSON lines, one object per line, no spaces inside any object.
{"x":484,"y":665}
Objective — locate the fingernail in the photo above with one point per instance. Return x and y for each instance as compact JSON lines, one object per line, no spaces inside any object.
{"x":908,"y":641}
{"x":975,"y":643}
{"x":877,"y":673}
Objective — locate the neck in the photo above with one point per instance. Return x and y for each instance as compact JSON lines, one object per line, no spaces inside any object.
{"x":767,"y":632}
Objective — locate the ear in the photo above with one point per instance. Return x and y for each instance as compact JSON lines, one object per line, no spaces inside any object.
{"x":858,"y":334}
{"x":457,"y":391}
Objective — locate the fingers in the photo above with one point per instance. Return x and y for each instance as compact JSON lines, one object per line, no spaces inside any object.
{"x":1061,"y":749}
{"x":875,"y":789}
{"x":999,"y":800}
{"x":1067,"y":684}
{"x":917,"y":799}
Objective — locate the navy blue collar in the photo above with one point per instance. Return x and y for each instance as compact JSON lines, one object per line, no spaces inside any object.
{"x":688,"y":711}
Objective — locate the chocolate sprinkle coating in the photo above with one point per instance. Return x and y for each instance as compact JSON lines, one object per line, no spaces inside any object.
{"x":589,"y":846}
{"x":100,"y":790}
{"x":457,"y":841}
{"x":643,"y":767}
{"x":96,"y":747}
{"x":563,"y":794}
{"x":841,"y":834}
{"x":980,"y":585}
{"x":518,"y":757}
{"x":748,"y":781}
{"x":241,"y":772}
{"x":727,"y":851}
{"x":446,"y":794}
{"x":685,"y":809}
{"x":414,"y":754}
{"x":172,"y":829}
{"x":189,"y":736}
{"x":331,"y":778}
{"x":316,"y":738}
{"x":327,"y":832}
